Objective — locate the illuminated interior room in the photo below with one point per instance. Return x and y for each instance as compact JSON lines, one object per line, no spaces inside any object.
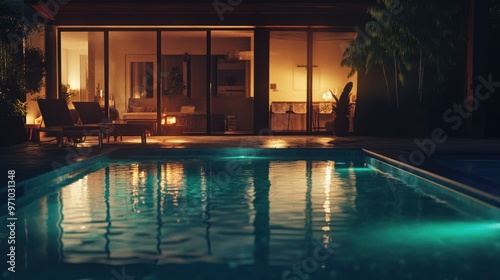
{"x":202,"y":70}
{"x":133,"y":92}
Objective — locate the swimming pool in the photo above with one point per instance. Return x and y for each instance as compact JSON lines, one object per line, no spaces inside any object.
{"x":480,"y":171}
{"x":252,"y":214}
{"x":484,"y":167}
{"x":487,"y":168}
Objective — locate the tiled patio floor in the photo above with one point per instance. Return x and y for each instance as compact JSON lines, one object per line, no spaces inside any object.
{"x":32,"y":159}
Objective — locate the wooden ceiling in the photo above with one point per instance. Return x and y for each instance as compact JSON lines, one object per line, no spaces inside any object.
{"x":341,"y":14}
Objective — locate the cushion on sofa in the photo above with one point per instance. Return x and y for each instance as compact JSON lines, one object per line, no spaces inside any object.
{"x":187,"y":109}
{"x":141,"y":105}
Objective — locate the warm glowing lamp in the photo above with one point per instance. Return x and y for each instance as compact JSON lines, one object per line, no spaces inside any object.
{"x":171,"y":120}
{"x":327,"y":96}
{"x":325,"y":107}
{"x":168,"y":120}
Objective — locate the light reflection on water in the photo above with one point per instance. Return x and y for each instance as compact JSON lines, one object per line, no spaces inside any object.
{"x":248,"y":212}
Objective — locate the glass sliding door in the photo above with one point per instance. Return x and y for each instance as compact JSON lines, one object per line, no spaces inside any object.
{"x":132,"y":76}
{"x":329,"y":78}
{"x":232,"y":82}
{"x":82,"y":67}
{"x":184,"y":82}
{"x":288,"y":81}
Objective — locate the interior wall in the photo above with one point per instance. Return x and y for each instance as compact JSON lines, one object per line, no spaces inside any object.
{"x":96,"y":64}
{"x":74,"y":45}
{"x":84,"y":74}
{"x":288,"y":59}
{"x":327,"y":55}
{"x":220,"y":46}
{"x":71,"y":67}
{"x":180,"y":42}
{"x":199,"y":77}
{"x":287,"y":51}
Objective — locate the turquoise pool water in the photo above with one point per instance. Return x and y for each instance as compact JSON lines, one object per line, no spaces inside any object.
{"x":249,"y":218}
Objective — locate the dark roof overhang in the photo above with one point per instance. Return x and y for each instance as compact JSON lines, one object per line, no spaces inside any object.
{"x":204,"y":13}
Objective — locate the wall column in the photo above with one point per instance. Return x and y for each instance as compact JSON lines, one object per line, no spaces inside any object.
{"x":261,"y":82}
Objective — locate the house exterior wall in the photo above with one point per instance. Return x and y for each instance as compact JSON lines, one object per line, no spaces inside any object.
{"x":259,"y":16}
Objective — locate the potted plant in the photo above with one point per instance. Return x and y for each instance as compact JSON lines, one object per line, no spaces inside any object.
{"x":341,"y":111}
{"x":176,"y":81}
{"x":67,"y":92}
{"x":21,"y":71}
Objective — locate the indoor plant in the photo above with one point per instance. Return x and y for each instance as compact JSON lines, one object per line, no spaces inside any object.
{"x":67,"y":92}
{"x":341,"y":111}
{"x":176,"y":81}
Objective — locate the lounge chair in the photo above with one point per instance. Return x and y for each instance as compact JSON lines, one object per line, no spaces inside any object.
{"x":91,"y":114}
{"x":57,"y":118}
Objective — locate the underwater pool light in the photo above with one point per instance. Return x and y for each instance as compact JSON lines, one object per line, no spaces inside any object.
{"x":463,"y":232}
{"x":242,"y":158}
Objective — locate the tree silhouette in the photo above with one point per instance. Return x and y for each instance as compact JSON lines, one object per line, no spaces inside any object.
{"x":22,"y":67}
{"x":420,"y":35}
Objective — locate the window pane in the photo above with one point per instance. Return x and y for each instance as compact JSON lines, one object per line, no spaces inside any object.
{"x":82,"y":66}
{"x":184,"y":82}
{"x":329,"y":77}
{"x":232,"y":81}
{"x":288,"y":80}
{"x":132,"y":76}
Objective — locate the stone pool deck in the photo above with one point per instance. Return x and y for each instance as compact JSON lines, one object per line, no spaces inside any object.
{"x":32,"y":159}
